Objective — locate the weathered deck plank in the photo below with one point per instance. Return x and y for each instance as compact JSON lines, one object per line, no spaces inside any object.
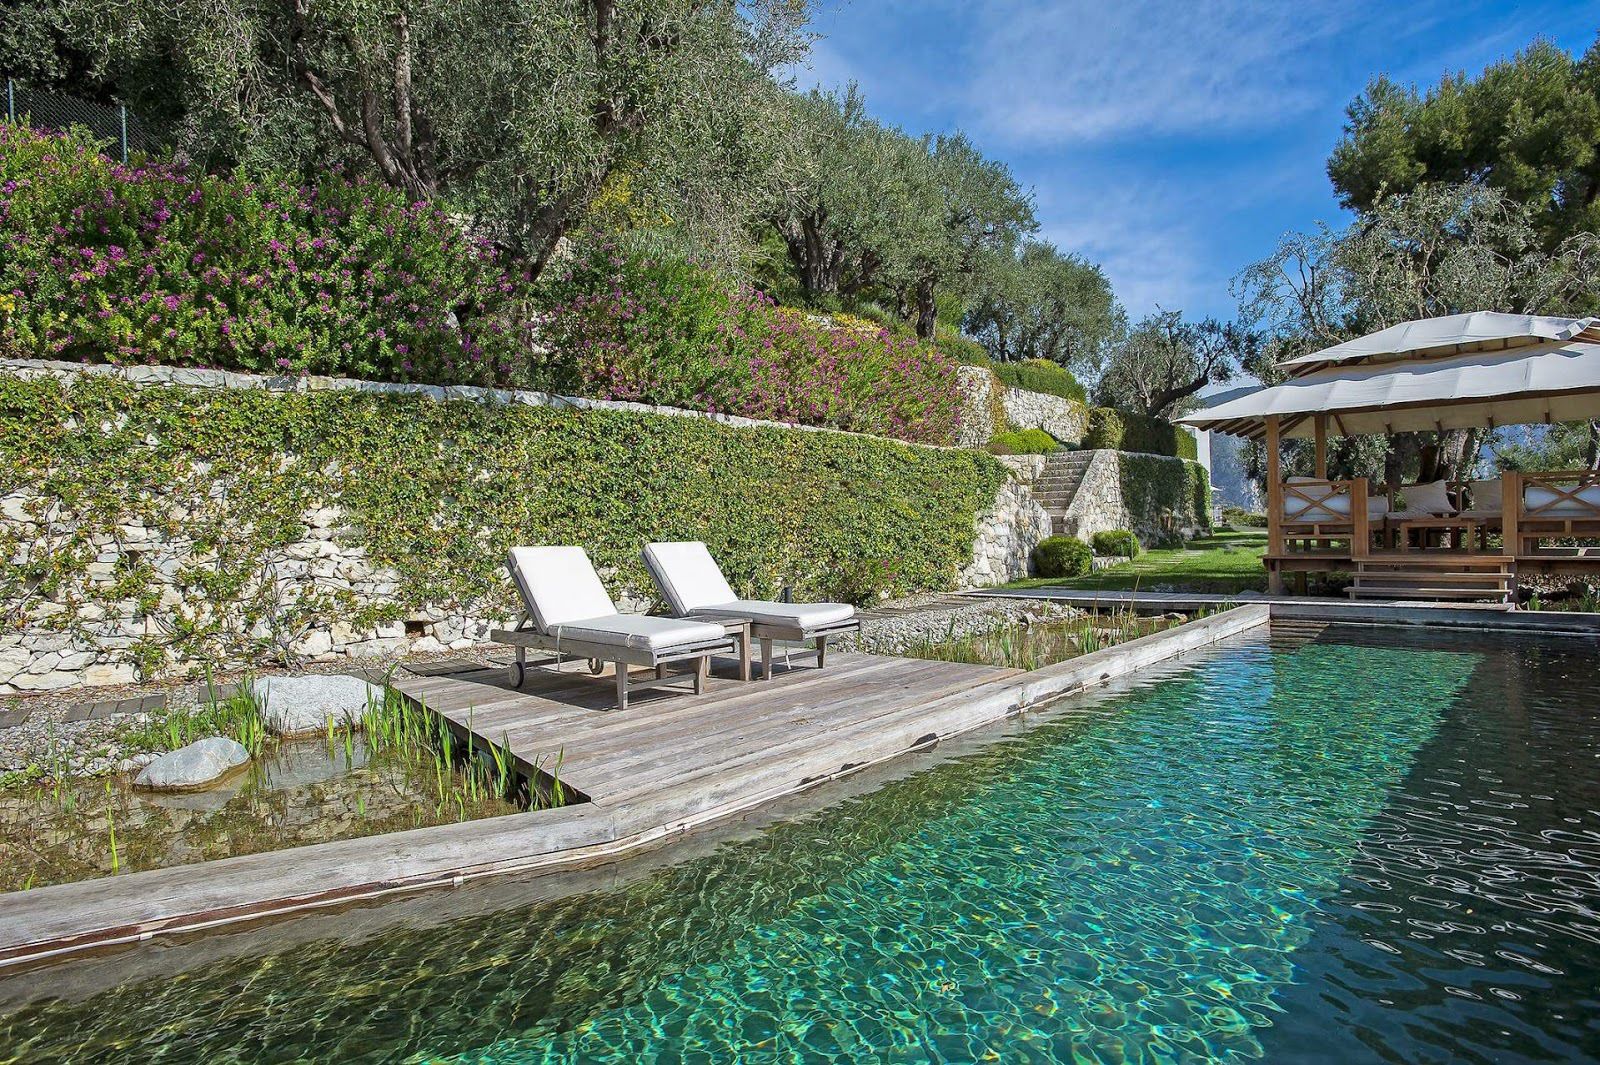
{"x":666,"y":736}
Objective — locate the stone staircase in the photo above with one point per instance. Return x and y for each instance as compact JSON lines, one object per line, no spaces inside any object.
{"x":1056,"y":487}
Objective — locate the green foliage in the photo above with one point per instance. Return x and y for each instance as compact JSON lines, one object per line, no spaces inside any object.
{"x":1156,"y":436}
{"x":1062,"y":556}
{"x":1105,"y":429}
{"x":1528,"y":126}
{"x":150,"y":263}
{"x":436,"y":492}
{"x":1172,"y":494}
{"x":1041,"y":304}
{"x":1161,"y":365}
{"x":651,"y":327}
{"x":519,"y":131}
{"x":1239,"y":518}
{"x":961,"y":348}
{"x":1224,"y":564}
{"x":1115,"y":543}
{"x":1023,"y":442}
{"x":1037,"y":375}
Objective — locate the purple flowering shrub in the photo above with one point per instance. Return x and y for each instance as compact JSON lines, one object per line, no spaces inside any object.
{"x":151,"y":263}
{"x":659,"y":329}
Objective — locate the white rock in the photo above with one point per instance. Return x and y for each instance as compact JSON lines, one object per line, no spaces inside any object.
{"x":109,"y":673}
{"x":295,"y":706}
{"x":195,"y":766}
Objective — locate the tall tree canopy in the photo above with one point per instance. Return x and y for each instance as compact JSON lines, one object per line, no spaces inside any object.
{"x":1162,"y":364}
{"x":1529,"y":126}
{"x":1042,"y":304}
{"x":515,"y":111}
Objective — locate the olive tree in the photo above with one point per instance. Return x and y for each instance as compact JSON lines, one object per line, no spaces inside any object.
{"x":514,"y":111}
{"x":1043,"y":304}
{"x":1163,"y":362}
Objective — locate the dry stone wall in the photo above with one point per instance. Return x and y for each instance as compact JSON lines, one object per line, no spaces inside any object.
{"x":1063,"y":419}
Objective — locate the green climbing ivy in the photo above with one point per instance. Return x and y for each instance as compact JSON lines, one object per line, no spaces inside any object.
{"x":436,"y":491}
{"x":1156,"y":487}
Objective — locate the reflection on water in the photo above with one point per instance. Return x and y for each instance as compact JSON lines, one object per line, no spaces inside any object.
{"x":299,"y":792}
{"x":1352,"y":849}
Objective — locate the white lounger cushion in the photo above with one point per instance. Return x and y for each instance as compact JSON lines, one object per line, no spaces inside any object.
{"x":689,"y":577}
{"x":559,"y":585}
{"x":1486,"y":494}
{"x":1555,"y":504}
{"x":796,"y":615}
{"x":641,"y":632}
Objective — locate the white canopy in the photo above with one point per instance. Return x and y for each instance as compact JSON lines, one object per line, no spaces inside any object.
{"x":1466,"y":370}
{"x":1452,"y":334}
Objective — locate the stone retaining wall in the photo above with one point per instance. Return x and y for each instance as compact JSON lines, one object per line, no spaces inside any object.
{"x":1063,"y":419}
{"x":324,"y":564}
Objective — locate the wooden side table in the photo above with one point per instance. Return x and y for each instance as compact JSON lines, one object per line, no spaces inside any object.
{"x":1463,"y":528}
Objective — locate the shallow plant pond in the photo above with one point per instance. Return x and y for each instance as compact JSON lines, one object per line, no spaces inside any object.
{"x":1033,"y":645}
{"x":348,"y":783}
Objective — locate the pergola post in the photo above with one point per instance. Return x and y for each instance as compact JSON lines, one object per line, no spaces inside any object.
{"x":1274,"y":508}
{"x":1320,"y":428}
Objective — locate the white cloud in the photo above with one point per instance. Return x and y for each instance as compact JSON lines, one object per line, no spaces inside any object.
{"x":1063,"y":72}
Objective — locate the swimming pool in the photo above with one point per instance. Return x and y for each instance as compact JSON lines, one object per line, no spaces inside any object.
{"x":1353,"y":845}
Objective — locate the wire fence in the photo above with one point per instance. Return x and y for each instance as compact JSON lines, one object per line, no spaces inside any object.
{"x":52,"y":112}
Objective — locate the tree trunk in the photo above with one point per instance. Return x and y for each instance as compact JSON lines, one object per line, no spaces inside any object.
{"x":927,"y":310}
{"x":817,"y":259}
{"x":1591,"y":454}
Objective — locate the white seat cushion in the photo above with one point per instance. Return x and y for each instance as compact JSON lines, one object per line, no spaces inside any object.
{"x":687,"y":575}
{"x":1432,"y":497}
{"x":558,"y":585}
{"x":1555,"y":504}
{"x":640,"y":632}
{"x":1486,"y":494}
{"x":797,"y":615}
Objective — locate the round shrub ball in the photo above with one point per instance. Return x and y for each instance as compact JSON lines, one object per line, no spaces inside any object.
{"x":1062,"y":556}
{"x":1116,"y":543}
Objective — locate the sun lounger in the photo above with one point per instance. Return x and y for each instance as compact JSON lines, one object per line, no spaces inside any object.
{"x":568,"y":612}
{"x":694,"y":587}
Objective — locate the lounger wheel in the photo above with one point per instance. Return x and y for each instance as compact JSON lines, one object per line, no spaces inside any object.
{"x":596,"y":666}
{"x":515,"y":674}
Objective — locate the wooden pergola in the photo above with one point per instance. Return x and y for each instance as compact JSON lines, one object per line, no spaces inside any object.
{"x":1482,"y":370}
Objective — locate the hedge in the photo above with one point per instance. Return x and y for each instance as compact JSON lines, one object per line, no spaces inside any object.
{"x":1115,"y":543}
{"x":1023,"y":442}
{"x":437,"y":491}
{"x":1062,"y":556}
{"x":1040,"y":375}
{"x":1105,"y":430}
{"x":1155,"y":436}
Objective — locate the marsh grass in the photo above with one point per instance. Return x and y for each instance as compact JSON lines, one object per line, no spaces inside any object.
{"x":1029,"y":646}
{"x":400,"y":766}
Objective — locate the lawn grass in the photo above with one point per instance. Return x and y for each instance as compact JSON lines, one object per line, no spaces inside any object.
{"x":1223,"y":564}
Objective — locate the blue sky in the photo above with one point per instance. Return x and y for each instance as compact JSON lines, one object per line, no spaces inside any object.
{"x":1172,"y":142}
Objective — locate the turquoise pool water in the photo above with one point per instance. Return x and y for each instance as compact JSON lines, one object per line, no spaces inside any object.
{"x":1357,"y":847}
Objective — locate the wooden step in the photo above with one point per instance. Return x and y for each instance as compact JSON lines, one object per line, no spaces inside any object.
{"x":1414,"y":592}
{"x":1435,"y":577}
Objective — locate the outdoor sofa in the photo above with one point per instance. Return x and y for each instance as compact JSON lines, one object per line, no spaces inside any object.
{"x":567,"y":611}
{"x":694,"y":587}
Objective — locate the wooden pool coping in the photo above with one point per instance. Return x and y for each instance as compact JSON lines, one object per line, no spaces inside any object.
{"x":50,"y":922}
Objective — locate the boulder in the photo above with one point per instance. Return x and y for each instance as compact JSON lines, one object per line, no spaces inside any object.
{"x":300,"y":706}
{"x":199,"y":765}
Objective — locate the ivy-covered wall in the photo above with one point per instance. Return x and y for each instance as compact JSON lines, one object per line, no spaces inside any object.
{"x":153,"y":529}
{"x":1158,"y":497}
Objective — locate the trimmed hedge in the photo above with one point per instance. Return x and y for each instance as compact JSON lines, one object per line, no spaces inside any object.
{"x":1023,"y":442}
{"x":1105,"y":430}
{"x":437,"y":491}
{"x":1156,"y":436}
{"x":1062,"y":556}
{"x":1115,"y":543}
{"x":1041,"y":375}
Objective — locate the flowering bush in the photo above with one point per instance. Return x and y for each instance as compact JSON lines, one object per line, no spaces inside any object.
{"x":149,"y":263}
{"x":659,"y":329}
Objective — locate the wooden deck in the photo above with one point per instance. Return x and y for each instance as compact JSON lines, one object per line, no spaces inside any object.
{"x":667,"y":764}
{"x":666,"y":738}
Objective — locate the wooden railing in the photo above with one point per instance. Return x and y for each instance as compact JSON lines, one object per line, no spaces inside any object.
{"x":1319,"y":512}
{"x":1538,"y":506}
